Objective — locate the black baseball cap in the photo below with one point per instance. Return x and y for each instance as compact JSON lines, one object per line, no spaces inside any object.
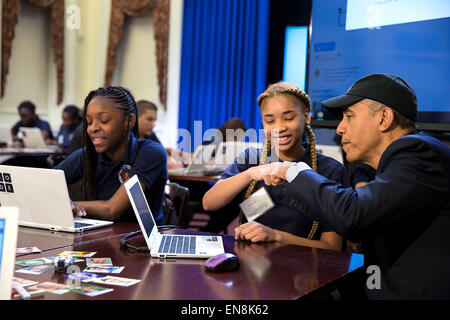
{"x":387,"y":89}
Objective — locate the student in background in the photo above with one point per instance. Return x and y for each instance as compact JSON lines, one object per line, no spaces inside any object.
{"x":285,"y":113}
{"x":28,"y":118}
{"x":148,"y":114}
{"x":111,"y":154}
{"x":71,"y":119}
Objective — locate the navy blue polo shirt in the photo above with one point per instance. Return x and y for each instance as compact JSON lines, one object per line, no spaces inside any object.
{"x":41,"y":124}
{"x":281,"y":217}
{"x":148,"y":160}
{"x":66,"y":135}
{"x":153,"y":137}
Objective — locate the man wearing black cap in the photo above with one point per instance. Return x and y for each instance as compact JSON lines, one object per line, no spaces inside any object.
{"x":402,"y":217}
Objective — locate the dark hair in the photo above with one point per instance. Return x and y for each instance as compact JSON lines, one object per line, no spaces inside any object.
{"x":74,"y":112}
{"x":122,"y":99}
{"x":144,"y":105}
{"x":27,"y":105}
{"x":399,"y":119}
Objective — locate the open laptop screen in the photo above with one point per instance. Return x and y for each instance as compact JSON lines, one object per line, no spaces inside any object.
{"x":142,"y":208}
{"x":2,"y":232}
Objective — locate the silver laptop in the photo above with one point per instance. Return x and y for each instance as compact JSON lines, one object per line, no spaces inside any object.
{"x":8,"y":240}
{"x":5,"y":135}
{"x":164,"y":245}
{"x":202,"y":161}
{"x":228,"y":151}
{"x":31,"y":137}
{"x":43,"y":199}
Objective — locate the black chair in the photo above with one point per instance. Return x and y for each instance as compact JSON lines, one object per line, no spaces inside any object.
{"x":176,"y":205}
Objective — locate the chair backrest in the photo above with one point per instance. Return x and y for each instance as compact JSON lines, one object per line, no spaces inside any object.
{"x":176,"y":205}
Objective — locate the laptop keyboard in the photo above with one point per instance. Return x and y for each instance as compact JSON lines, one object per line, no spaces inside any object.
{"x":81,"y":224}
{"x":178,"y":244}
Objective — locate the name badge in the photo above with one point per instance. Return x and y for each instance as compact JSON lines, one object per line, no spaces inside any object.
{"x":257,"y":204}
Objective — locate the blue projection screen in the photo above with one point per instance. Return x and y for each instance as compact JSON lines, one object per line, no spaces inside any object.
{"x":354,"y":38}
{"x":295,"y":55}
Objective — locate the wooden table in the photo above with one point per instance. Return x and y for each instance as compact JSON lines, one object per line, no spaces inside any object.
{"x":47,"y":240}
{"x":32,"y":152}
{"x":269,"y":271}
{"x":192,"y":177}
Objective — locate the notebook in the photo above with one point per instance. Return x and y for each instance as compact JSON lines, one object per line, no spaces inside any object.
{"x":8,"y":240}
{"x":43,"y":199}
{"x":168,"y":246}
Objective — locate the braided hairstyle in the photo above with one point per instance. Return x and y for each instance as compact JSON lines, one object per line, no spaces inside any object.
{"x":286,"y":88}
{"x":122,"y":99}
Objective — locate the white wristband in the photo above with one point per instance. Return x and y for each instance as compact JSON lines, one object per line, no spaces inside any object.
{"x":293,"y":171}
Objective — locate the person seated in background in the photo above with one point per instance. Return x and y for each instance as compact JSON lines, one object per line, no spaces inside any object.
{"x":285,"y":114}
{"x":71,"y":119}
{"x":147,"y":115}
{"x":111,"y":155}
{"x":29,"y":119}
{"x":235,"y":124}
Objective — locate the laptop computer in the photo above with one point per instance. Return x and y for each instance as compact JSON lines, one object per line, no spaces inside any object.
{"x":8,"y":239}
{"x":31,"y":137}
{"x":43,"y":199}
{"x":227,"y":151}
{"x":5,"y":136}
{"x":164,"y":245}
{"x":202,"y":161}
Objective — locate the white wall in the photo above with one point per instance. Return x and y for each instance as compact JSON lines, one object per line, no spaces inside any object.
{"x":32,"y":72}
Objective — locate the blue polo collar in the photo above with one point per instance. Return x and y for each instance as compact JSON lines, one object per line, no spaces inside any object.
{"x":130,"y":155}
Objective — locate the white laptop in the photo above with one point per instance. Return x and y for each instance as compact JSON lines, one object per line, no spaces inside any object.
{"x":31,"y":137}
{"x":202,"y":161}
{"x":230,"y":150}
{"x":43,"y":199}
{"x":8,"y":240}
{"x":5,"y":135}
{"x":165,"y":245}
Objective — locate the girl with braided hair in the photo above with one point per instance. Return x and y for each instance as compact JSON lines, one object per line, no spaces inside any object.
{"x":110,"y":155}
{"x":285,"y":114}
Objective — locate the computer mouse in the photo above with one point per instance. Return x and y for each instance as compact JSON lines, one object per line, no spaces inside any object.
{"x":222,"y":262}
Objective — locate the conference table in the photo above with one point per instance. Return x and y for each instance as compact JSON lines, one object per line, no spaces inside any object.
{"x":30,"y":157}
{"x":193,"y":177}
{"x":268,"y":271}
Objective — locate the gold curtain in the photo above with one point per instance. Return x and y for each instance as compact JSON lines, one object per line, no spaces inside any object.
{"x":11,"y":9}
{"x":160,"y":10}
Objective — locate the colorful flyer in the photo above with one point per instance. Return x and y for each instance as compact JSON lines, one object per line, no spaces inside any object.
{"x":55,"y":288}
{"x":99,"y":262}
{"x":90,"y":290}
{"x":117,"y":281}
{"x":80,"y":254}
{"x":22,"y":282}
{"x":27,"y":250}
{"x":36,"y":269}
{"x":84,"y":276}
{"x":33,"y":262}
{"x":104,"y":269}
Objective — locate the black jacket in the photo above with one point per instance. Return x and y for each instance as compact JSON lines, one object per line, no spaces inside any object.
{"x":402,"y":217}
